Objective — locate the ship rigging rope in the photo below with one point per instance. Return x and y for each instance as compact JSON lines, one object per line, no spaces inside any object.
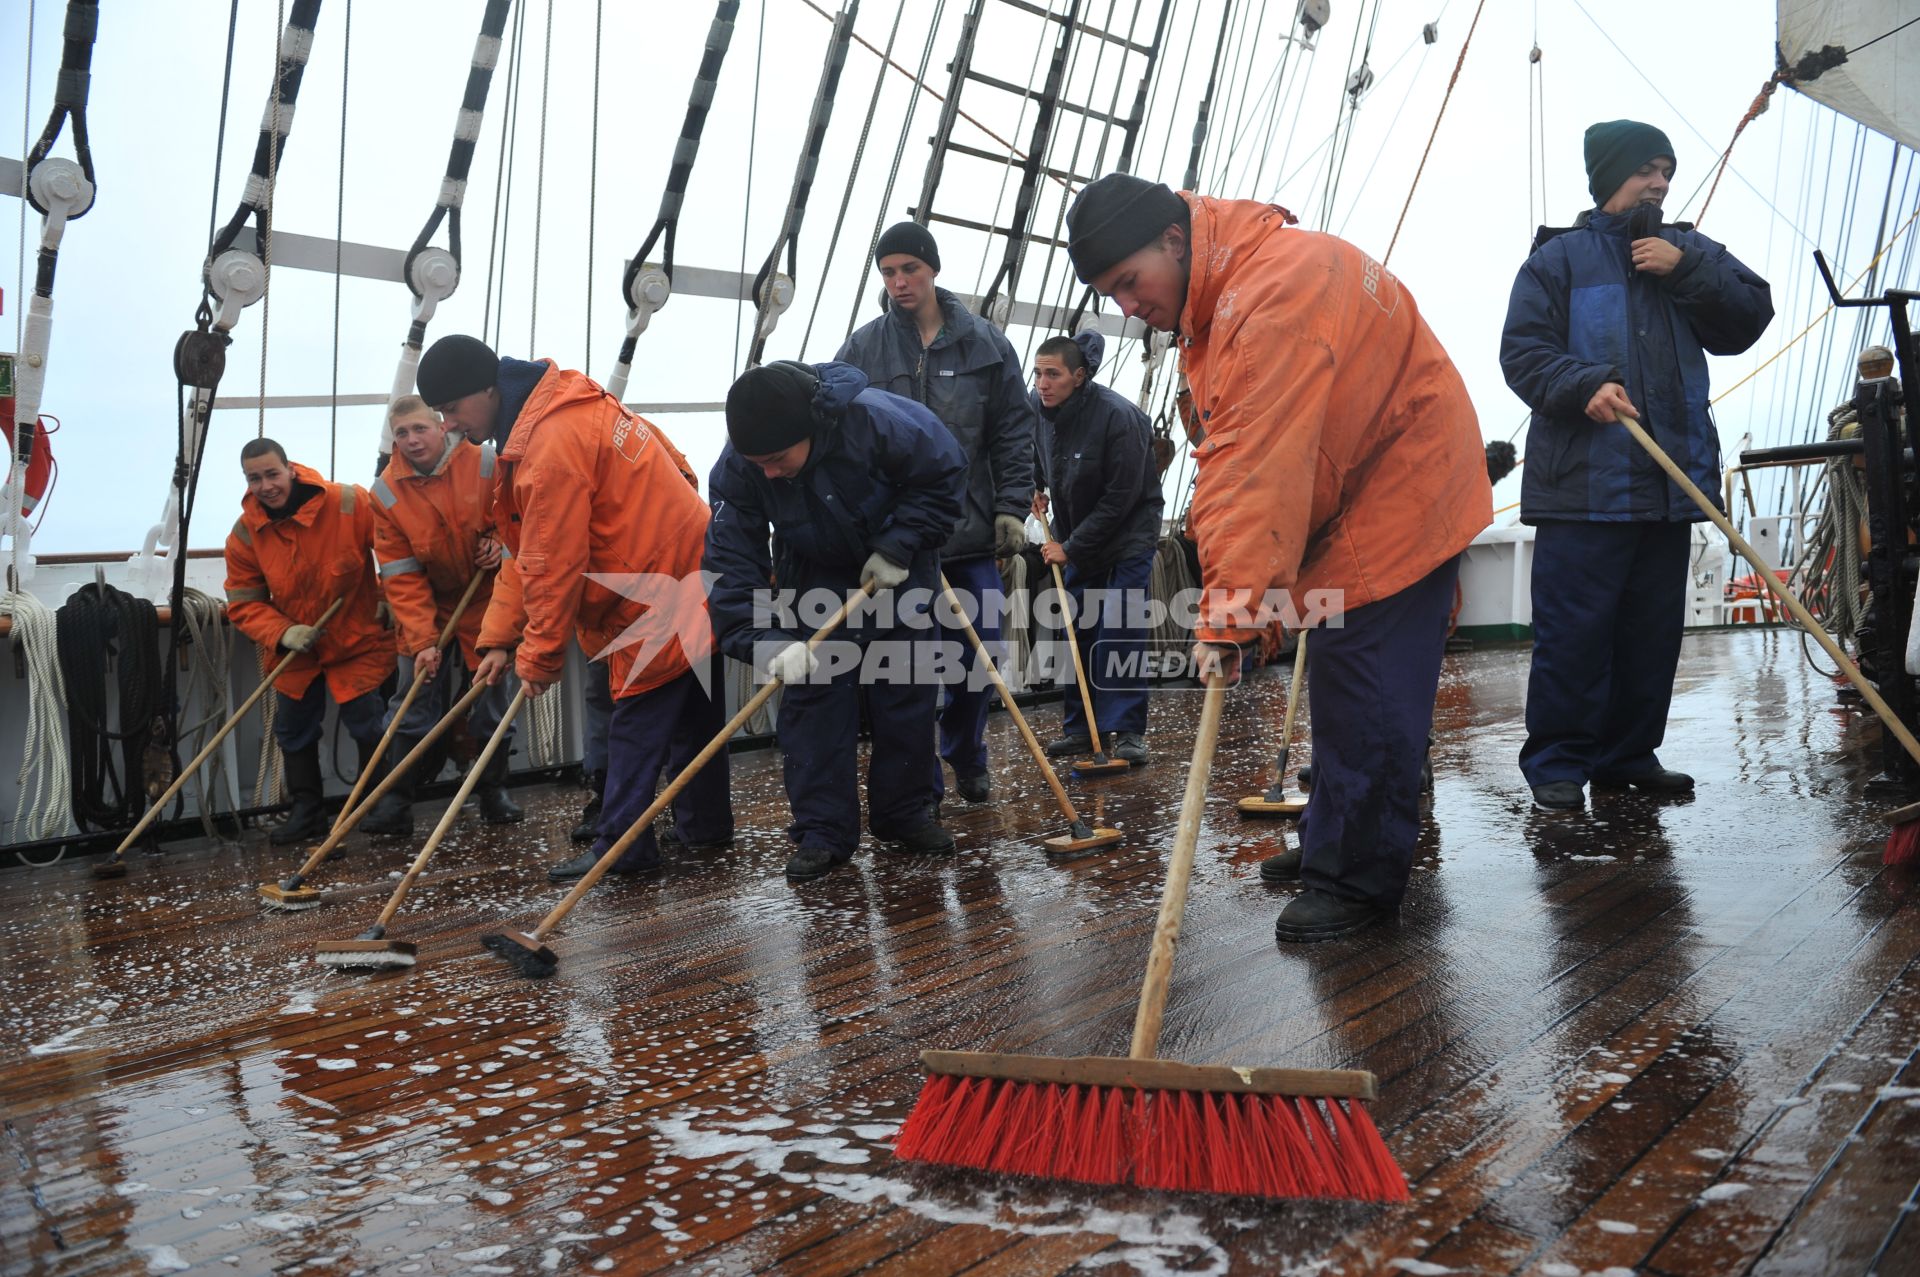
{"x":899,"y":151}
{"x":495,"y":249}
{"x":96,"y":625}
{"x":210,"y":657}
{"x":853,"y":174}
{"x":339,"y":246}
{"x":540,"y":187}
{"x":44,"y":785}
{"x":1361,"y":81}
{"x":264,"y":207}
{"x":1440,"y":115}
{"x":593,"y":179}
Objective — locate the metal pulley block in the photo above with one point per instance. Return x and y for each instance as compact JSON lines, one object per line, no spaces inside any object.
{"x":59,"y":190}
{"x":200,"y":357}
{"x":237,"y":279}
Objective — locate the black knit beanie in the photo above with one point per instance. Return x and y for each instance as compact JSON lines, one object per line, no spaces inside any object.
{"x":1115,"y":216}
{"x":911,"y":238}
{"x":1615,"y":149}
{"x":770,"y":408}
{"x":455,"y":367}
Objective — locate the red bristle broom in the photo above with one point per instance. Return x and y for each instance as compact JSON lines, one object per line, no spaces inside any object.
{"x":1152,"y":1122}
{"x":1903,"y":844}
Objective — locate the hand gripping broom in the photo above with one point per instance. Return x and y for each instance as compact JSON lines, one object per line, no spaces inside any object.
{"x":292,"y":892}
{"x":1099,"y":764}
{"x":1274,"y":802}
{"x":114,"y":866}
{"x":371,"y":948}
{"x":1152,"y":1122}
{"x":1903,"y":844}
{"x":1080,"y":836}
{"x":527,"y":951}
{"x":372,"y":764}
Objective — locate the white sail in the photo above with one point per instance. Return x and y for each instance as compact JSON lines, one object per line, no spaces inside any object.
{"x":1848,"y":54}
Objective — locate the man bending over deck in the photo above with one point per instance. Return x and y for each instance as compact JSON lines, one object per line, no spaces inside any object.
{"x":300,"y":543}
{"x":1340,"y":454}
{"x":603,"y":529}
{"x":432,"y":530}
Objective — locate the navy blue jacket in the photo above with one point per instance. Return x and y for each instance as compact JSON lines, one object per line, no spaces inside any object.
{"x":1097,"y":467}
{"x":882,"y":476}
{"x":971,"y":379}
{"x":1581,"y":316}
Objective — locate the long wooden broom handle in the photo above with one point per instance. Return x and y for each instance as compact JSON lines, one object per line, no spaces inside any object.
{"x":206,"y":751}
{"x":1293,"y":706}
{"x":1889,"y":719}
{"x":1079,"y":670}
{"x":452,"y":812}
{"x":372,"y":764}
{"x":680,"y":782}
{"x":350,"y":821}
{"x":1006,"y":698}
{"x":1173,"y":902}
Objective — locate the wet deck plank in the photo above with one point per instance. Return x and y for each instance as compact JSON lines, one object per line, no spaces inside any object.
{"x":1581,"y":1027}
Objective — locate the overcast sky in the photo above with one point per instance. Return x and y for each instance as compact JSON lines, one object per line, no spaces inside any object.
{"x":1801,"y":176}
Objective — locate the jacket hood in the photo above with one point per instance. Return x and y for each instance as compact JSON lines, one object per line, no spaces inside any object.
{"x":1221,"y":229}
{"x":398,"y":467}
{"x":1093,"y":348}
{"x":255,"y":515}
{"x":839,"y":385}
{"x":557,"y":388}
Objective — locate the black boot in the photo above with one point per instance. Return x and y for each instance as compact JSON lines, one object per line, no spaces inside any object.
{"x":496,"y":804}
{"x":589,"y":827}
{"x":307,"y":819}
{"x":392,"y":816}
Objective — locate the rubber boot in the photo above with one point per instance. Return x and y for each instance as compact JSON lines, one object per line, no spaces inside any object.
{"x":589,"y":827}
{"x":496,"y":804}
{"x":307,"y":819}
{"x":392,"y":816}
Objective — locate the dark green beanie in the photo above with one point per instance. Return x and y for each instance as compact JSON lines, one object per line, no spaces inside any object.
{"x":1615,"y":149}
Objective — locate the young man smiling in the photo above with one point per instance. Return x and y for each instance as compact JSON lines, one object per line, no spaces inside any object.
{"x":1341,"y":453}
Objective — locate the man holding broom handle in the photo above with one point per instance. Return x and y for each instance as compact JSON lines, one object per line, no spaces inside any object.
{"x":300,"y":543}
{"x":1616,"y":315}
{"x":1341,"y":454}
{"x":603,"y":530}
{"x":432,"y":531}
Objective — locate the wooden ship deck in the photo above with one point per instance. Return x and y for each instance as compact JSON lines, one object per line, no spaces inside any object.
{"x":1662,"y":1038}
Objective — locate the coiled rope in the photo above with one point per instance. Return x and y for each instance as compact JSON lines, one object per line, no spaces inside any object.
{"x":45,"y":804}
{"x":99,"y":624}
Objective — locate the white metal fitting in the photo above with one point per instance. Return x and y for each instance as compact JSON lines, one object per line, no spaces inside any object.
{"x":61,"y":187}
{"x":237,"y":280}
{"x":775,"y":296}
{"x":649,"y":293}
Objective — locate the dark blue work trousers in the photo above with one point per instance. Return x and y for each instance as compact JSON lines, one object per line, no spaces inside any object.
{"x":1373,"y":679}
{"x":819,"y":722}
{"x":1609,"y":603}
{"x":663,"y":729}
{"x":1112,"y":633}
{"x":963,"y":707}
{"x":298,"y":724}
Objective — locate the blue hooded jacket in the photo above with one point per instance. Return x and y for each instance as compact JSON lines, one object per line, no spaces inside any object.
{"x":883,"y":476}
{"x":1094,"y":457}
{"x":1580,"y":316}
{"x":970,"y":377}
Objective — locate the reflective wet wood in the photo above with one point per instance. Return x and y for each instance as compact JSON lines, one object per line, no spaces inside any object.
{"x":1665,"y":1038}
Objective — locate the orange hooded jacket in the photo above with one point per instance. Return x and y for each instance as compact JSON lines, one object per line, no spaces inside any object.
{"x":287,"y":572}
{"x":426,"y":530}
{"x":1341,"y":450}
{"x":604,"y":530}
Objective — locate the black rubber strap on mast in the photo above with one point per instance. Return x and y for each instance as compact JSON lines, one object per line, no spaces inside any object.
{"x":809,"y":165}
{"x":256,"y":204}
{"x":70,"y":99}
{"x":466,"y":138}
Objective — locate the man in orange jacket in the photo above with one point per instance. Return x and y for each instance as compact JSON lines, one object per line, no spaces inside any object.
{"x":1340,"y":454}
{"x":299,"y":544}
{"x":432,"y":530}
{"x":603,"y":527}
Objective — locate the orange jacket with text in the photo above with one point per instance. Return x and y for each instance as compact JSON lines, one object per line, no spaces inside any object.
{"x":1341,"y":450}
{"x":286,"y":572}
{"x":604,"y":531}
{"x":426,"y":531}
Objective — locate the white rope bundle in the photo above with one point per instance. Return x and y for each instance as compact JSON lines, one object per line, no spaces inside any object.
{"x":1016,"y":625}
{"x":45,"y":807}
{"x":543,"y":731}
{"x":267,"y":787}
{"x":740,"y":689}
{"x":1171,"y":577}
{"x":209,"y":665}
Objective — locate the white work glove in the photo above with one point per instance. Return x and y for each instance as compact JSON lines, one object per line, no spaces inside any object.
{"x":299,"y":638}
{"x":1009,"y":535}
{"x":883,"y":572}
{"x":792,"y":663}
